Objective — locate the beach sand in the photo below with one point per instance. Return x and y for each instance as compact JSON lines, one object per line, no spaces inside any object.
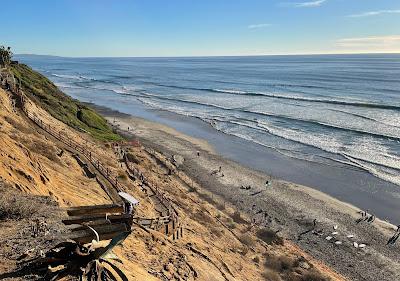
{"x":286,"y":207}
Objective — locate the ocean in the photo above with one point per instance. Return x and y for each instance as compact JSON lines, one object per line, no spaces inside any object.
{"x":333,"y":110}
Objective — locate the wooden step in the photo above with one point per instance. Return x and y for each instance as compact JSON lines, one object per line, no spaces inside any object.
{"x":97,"y":209}
{"x":92,"y":218}
{"x":100,"y":228}
{"x":88,"y":236}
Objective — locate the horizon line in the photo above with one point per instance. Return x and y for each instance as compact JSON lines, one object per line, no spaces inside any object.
{"x":210,"y":56}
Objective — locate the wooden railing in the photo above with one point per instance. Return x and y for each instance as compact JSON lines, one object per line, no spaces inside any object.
{"x":172,"y":217}
{"x":60,"y":135}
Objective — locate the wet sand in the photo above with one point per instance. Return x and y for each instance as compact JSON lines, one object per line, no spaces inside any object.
{"x":287,"y":207}
{"x":346,"y":183}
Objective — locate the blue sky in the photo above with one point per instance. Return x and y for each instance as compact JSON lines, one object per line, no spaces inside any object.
{"x":199,"y":27}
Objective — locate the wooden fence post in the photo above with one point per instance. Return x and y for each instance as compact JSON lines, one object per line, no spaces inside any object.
{"x":166,"y":229}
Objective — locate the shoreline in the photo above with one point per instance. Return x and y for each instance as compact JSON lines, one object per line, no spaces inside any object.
{"x":290,"y":208}
{"x":356,"y":187}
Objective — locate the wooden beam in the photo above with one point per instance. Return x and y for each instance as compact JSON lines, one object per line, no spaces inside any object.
{"x":97,"y":209}
{"x":85,"y":219}
{"x":99,"y":227}
{"x":90,"y":237}
{"x":120,"y":227}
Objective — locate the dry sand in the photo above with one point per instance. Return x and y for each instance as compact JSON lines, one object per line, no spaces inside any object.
{"x":287,"y":207}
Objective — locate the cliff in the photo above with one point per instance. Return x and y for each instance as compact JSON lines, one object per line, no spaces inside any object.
{"x":218,"y":243}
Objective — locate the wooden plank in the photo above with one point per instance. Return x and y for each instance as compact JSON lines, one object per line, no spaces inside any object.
{"x":121,"y":227}
{"x":92,"y":210}
{"x":102,"y":228}
{"x":83,"y":219}
{"x":91,"y":223}
{"x":89,"y":238}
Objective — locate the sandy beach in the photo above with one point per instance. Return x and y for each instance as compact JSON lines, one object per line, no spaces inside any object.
{"x":285,"y":207}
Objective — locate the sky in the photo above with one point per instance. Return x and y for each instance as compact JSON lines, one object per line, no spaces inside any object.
{"x":119,"y":28}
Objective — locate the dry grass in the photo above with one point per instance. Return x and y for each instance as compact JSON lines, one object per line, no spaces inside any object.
{"x":202,"y":217}
{"x":308,"y":276}
{"x":270,"y":275}
{"x":247,"y":240}
{"x":122,"y":176}
{"x":220,"y":206}
{"x":207,"y":198}
{"x":269,"y":236}
{"x":21,"y":128}
{"x":288,"y":269}
{"x":230,"y":223}
{"x":313,"y":276}
{"x":16,"y":205}
{"x":279,"y":263}
{"x":44,"y":149}
{"x":132,"y":158}
{"x":216,"y":231}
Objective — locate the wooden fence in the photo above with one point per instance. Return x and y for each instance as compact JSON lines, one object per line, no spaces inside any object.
{"x":170,"y":221}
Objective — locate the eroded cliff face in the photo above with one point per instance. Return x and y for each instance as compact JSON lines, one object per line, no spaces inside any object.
{"x":33,"y":162}
{"x":216,"y":245}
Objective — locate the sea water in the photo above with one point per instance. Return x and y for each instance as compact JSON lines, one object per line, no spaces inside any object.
{"x":334,"y":110}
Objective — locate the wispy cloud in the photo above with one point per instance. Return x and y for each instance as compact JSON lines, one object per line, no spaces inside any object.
{"x":374,"y":13}
{"x":260,"y":25}
{"x":376,"y":43}
{"x":308,"y":4}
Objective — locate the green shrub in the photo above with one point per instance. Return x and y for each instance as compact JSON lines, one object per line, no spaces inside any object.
{"x":61,"y":106}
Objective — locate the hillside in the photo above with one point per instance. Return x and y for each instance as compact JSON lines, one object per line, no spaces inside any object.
{"x":219,"y":243}
{"x":60,"y":106}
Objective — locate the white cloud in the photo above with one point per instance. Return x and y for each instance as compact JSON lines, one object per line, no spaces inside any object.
{"x":308,"y":4}
{"x":389,"y":43}
{"x":260,"y":25}
{"x":374,"y":13}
